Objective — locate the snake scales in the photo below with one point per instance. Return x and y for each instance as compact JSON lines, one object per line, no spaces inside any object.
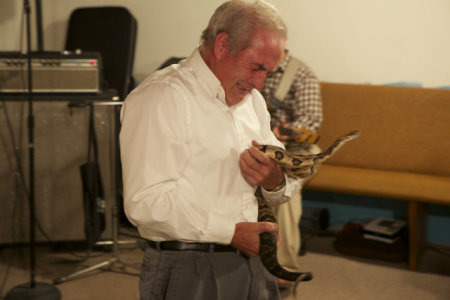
{"x":297,"y":166}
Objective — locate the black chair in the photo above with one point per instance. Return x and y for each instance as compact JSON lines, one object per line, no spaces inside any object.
{"x":170,"y":61}
{"x":110,"y":30}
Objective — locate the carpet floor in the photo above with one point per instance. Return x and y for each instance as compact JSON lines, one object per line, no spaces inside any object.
{"x":336,"y":276}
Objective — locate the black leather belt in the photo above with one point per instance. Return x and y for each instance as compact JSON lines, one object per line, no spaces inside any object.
{"x":183,"y":246}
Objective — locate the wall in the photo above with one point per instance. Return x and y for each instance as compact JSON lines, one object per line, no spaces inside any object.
{"x":355,"y":41}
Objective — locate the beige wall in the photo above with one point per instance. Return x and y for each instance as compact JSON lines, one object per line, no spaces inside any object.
{"x":351,"y":41}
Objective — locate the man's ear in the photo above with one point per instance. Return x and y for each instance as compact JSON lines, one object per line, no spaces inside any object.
{"x":221,"y":46}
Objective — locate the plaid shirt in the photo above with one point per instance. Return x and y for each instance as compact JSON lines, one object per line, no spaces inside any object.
{"x":302,"y":106}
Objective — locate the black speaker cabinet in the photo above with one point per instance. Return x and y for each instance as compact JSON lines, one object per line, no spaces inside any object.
{"x":60,"y":147}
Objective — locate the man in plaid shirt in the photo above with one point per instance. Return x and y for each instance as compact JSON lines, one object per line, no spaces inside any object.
{"x":301,"y":107}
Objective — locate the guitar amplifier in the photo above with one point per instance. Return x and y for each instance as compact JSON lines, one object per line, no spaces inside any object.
{"x":52,"y":72}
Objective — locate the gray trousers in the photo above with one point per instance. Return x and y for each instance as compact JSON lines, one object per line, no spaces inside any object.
{"x":189,"y":275}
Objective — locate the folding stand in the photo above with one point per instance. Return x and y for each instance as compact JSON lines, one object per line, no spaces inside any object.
{"x":115,"y":215}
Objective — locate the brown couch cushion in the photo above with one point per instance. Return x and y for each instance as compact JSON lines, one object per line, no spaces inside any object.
{"x":378,"y":183}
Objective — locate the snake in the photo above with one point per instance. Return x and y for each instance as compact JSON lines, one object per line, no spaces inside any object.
{"x":297,"y":166}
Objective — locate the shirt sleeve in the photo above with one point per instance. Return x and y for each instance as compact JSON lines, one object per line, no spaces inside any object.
{"x":275,"y":198}
{"x":154,"y":154}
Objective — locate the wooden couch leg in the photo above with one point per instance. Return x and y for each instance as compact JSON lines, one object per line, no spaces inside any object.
{"x":417,"y":219}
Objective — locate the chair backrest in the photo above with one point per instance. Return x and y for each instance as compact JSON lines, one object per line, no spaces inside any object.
{"x":170,"y":61}
{"x":110,"y":30}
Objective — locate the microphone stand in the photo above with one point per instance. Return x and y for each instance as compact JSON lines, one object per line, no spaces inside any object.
{"x":32,"y":289}
{"x":39,"y":31}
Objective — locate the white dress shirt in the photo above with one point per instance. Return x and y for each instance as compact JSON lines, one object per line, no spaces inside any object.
{"x":180,"y":145}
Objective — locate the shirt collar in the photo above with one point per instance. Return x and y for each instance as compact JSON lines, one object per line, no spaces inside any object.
{"x":206,"y":77}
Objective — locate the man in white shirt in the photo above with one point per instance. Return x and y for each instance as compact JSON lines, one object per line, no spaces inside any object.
{"x":189,"y":168}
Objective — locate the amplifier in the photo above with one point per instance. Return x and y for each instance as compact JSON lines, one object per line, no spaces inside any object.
{"x":52,"y":72}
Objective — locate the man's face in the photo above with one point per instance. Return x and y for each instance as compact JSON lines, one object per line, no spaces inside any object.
{"x":248,"y":69}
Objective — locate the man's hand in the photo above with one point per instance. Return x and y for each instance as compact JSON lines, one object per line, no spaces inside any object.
{"x":277,"y":131}
{"x":293,"y":134}
{"x":246,"y":236}
{"x":260,"y":170}
{"x":284,"y":133}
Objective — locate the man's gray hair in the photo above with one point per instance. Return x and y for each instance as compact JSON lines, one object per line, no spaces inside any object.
{"x":239,"y":19}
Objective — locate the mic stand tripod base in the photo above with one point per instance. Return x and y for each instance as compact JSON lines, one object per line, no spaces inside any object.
{"x":115,"y":222}
{"x":40,"y":291}
{"x":108,"y":263}
{"x":110,"y":243}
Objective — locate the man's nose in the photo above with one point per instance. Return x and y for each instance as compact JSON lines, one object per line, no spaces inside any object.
{"x":258,"y":80}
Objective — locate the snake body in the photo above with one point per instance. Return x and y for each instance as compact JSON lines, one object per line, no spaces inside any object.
{"x":297,"y":166}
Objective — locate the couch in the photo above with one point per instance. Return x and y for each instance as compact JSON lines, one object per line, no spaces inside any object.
{"x":403,"y":151}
